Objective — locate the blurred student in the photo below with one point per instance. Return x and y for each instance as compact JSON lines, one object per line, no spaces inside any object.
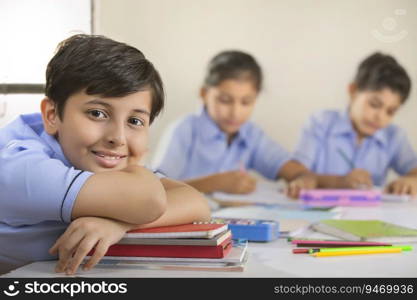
{"x":357,"y":147}
{"x":70,"y":177}
{"x":212,"y":149}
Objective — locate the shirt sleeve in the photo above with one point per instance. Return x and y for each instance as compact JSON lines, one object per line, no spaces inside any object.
{"x":173,"y":150}
{"x":311,"y":139}
{"x":35,"y":187}
{"x":404,"y":158}
{"x":268,"y":157}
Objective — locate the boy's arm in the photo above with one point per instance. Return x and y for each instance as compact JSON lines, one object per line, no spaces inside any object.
{"x":357,"y":178}
{"x":406,"y":184}
{"x":412,"y":173}
{"x":207,"y":184}
{"x":184,"y":205}
{"x":292,"y":170}
{"x":233,"y":182}
{"x":298,"y":177}
{"x":133,"y":195}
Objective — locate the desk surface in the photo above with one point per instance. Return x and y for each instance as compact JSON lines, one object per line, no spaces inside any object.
{"x":275,"y":259}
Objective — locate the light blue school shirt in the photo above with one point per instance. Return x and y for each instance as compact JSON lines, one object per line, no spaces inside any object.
{"x":195,"y":146}
{"x":38,"y":187}
{"x":328,"y":133}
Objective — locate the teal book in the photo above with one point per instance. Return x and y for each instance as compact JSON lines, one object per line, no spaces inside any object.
{"x":366,"y":230}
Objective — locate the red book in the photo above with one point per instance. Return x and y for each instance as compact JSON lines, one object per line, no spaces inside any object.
{"x":179,"y":231}
{"x":219,"y":251}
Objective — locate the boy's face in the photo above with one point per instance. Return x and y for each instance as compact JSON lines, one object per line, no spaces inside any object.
{"x":101,"y":134}
{"x":230,"y":104}
{"x":373,"y":110}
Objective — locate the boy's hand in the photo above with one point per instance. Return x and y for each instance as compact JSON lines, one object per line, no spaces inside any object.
{"x":403,"y":185}
{"x":305,"y":181}
{"x":236,"y":182}
{"x":358,"y":179}
{"x":81,"y":236}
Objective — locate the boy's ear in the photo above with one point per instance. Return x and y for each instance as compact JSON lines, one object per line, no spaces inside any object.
{"x":352,"y":89}
{"x":203,"y":93}
{"x":49,"y":116}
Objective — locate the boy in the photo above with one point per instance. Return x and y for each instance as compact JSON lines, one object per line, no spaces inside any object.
{"x":356,"y":148}
{"x":78,"y":161}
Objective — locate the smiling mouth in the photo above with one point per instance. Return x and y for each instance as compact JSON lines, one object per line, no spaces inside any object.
{"x":108,"y":156}
{"x":108,"y":160}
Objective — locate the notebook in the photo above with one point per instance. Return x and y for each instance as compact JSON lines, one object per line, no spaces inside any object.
{"x":206,"y":231}
{"x":218,"y":251}
{"x":236,"y":255}
{"x":214,"y":241}
{"x":367,"y":230}
{"x":177,"y":265}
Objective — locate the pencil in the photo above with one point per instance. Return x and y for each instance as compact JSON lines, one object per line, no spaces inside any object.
{"x":356,"y":252}
{"x":318,"y":243}
{"x":403,"y":248}
{"x":301,"y":251}
{"x":346,"y":158}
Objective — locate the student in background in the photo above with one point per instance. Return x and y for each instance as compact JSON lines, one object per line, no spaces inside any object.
{"x":356,"y":148}
{"x":70,"y":177}
{"x":212,"y":149}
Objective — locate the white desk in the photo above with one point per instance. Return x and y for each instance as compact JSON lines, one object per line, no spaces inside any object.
{"x":275,"y":259}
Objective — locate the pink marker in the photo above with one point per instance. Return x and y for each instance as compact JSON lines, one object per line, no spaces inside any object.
{"x":340,"y":197}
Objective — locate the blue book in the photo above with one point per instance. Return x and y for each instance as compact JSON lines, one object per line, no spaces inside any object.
{"x":253,"y":230}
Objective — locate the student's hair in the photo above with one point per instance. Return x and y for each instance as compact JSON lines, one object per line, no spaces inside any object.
{"x":379,"y":71}
{"x":233,"y":65}
{"x":100,"y":66}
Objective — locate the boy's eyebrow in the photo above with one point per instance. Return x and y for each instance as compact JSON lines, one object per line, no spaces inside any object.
{"x":97,"y":101}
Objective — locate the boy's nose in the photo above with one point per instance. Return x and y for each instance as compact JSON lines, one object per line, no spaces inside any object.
{"x":235,"y":111}
{"x":116,"y":136}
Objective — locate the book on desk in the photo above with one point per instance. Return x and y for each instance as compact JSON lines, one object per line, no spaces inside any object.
{"x":366,"y":230}
{"x":185,"y":246}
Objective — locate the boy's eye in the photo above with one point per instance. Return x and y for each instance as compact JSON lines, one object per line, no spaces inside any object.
{"x":97,"y":114}
{"x":375,"y":103}
{"x":136,"y":122}
{"x":224,"y":100}
{"x":247,"y":102}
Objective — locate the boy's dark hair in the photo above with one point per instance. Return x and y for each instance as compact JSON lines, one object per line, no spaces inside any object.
{"x":379,"y":71}
{"x":233,"y":65}
{"x":102,"y":67}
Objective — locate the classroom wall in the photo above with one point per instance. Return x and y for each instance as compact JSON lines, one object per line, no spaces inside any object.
{"x":309,"y":50}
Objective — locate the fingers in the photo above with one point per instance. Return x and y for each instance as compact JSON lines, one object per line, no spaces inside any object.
{"x":99,"y":252}
{"x":359,"y":179}
{"x":243,"y":183}
{"x":54,"y":249}
{"x":67,"y":248}
{"x":293,"y":190}
{"x":82,"y":250}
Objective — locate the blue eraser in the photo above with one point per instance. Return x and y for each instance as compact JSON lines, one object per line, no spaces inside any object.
{"x":253,"y":230}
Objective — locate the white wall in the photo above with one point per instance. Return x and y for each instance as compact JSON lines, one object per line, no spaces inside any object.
{"x":309,"y":50}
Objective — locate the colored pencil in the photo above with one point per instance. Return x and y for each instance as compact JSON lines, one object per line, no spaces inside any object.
{"x":317,"y":243}
{"x":403,"y":248}
{"x":357,"y":252}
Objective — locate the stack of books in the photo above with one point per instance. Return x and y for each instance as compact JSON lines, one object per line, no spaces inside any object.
{"x":182,"y":247}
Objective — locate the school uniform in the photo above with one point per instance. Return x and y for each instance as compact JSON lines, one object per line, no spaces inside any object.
{"x":328,"y":145}
{"x":38,"y":187}
{"x":195,"y":146}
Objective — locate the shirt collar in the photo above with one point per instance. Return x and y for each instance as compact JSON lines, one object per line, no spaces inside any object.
{"x":344,"y":127}
{"x":33,"y":123}
{"x":210,"y":131}
{"x":55,"y":146}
